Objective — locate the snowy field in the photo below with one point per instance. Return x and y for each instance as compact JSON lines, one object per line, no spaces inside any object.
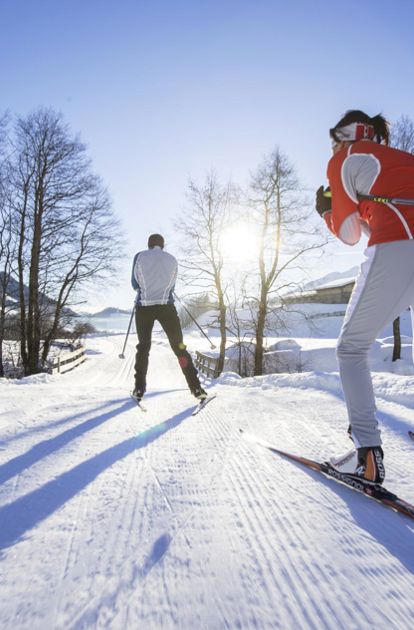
{"x":114,"y":518}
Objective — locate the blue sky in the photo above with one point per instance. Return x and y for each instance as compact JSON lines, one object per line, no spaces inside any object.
{"x":167,"y":89}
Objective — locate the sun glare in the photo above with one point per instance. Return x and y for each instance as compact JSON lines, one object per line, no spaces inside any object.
{"x":238,"y":243}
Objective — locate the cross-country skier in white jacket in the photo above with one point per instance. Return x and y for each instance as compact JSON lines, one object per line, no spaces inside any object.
{"x":154,"y":273}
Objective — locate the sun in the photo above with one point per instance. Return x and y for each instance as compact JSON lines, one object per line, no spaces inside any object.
{"x":238,"y":243}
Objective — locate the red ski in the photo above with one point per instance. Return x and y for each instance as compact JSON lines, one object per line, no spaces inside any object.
{"x":374,"y":491}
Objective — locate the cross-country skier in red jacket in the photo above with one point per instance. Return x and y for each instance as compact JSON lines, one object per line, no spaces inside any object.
{"x":364,"y":165}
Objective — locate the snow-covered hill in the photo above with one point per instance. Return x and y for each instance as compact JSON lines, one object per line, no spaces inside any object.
{"x":13,"y":296}
{"x":114,"y":518}
{"x":111,"y":311}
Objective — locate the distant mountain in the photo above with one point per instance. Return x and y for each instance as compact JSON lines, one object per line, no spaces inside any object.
{"x":13,"y":296}
{"x":111,"y":311}
{"x":12,"y":293}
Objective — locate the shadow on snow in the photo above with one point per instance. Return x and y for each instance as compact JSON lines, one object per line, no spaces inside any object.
{"x":39,"y":428}
{"x":20,"y":516}
{"x":391,"y":530}
{"x":18,"y":464}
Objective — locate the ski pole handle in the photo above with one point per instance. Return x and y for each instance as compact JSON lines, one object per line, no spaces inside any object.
{"x":379,"y":199}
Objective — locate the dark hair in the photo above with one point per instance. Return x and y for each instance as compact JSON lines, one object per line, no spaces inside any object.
{"x":381,"y":126}
{"x":156,"y":240}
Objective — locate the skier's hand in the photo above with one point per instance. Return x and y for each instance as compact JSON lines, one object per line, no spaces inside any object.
{"x":322,"y":203}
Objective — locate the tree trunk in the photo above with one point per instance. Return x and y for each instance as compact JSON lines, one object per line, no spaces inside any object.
{"x":258,"y":354}
{"x":222,"y":318}
{"x":2,"y":326}
{"x":33,"y":319}
{"x":3,"y":290}
{"x":22,"y":304}
{"x":20,"y":268}
{"x":396,"y":355}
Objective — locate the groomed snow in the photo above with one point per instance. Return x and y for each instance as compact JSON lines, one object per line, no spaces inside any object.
{"x":114,"y":518}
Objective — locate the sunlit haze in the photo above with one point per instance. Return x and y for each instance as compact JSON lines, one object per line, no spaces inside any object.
{"x":163,"y":91}
{"x":239,"y":244}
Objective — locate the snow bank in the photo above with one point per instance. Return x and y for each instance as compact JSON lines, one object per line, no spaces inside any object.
{"x":393,"y":387}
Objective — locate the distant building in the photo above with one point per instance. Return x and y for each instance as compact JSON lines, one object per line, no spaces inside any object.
{"x":337,"y":292}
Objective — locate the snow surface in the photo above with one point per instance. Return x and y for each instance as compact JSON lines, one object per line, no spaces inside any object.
{"x":114,"y":518}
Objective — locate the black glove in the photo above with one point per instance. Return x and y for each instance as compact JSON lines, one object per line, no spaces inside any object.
{"x":323,"y":203}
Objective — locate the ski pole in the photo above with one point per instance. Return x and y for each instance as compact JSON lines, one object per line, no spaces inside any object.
{"x":122,"y":355}
{"x":212,"y":346}
{"x":379,"y":199}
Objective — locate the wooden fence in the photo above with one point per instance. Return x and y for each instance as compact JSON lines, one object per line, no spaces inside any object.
{"x":207,"y":365}
{"x":68,"y":361}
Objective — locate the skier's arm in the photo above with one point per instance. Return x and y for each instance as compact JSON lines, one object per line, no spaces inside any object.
{"x":350,"y":231}
{"x":134,"y":282}
{"x":350,"y":174}
{"x":344,"y":220}
{"x":175,"y":274}
{"x":323,"y":205}
{"x":171,"y":286}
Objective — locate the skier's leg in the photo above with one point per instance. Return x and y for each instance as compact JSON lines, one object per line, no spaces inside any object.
{"x":170,"y":322}
{"x":382,"y":291}
{"x":144,"y":321}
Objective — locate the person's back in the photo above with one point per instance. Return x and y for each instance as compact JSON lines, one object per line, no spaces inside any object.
{"x":369,"y":168}
{"x":155,"y":273}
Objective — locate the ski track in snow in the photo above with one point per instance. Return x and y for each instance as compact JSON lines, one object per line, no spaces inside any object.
{"x":112,"y":518}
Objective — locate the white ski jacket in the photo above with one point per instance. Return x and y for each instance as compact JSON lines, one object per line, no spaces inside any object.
{"x":154,"y":273}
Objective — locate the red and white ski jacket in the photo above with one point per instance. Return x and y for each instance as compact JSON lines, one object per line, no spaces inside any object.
{"x":369,"y":168}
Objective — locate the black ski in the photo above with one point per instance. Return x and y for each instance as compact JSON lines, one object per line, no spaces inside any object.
{"x":202,"y":404}
{"x":375,"y":491}
{"x":411,"y":434}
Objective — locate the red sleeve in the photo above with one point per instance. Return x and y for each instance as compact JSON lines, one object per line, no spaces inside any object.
{"x":343,"y":205}
{"x":327,"y":217}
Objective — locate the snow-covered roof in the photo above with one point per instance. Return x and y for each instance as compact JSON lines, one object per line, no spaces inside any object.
{"x":342,"y":282}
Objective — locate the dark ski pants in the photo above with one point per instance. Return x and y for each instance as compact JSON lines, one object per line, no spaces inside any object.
{"x":167,"y":316}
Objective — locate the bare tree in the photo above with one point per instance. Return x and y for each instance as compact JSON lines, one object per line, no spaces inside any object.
{"x":286,"y":233}
{"x":201,"y":226}
{"x":402,"y":134}
{"x":66,"y":233}
{"x":240,"y":327}
{"x":402,"y":137}
{"x":6,"y":261}
{"x":6,"y":241}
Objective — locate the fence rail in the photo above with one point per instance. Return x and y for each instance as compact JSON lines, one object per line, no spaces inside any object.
{"x":68,"y":361}
{"x":207,"y":365}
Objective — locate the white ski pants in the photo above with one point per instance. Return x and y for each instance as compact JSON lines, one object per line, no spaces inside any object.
{"x":383,"y":290}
